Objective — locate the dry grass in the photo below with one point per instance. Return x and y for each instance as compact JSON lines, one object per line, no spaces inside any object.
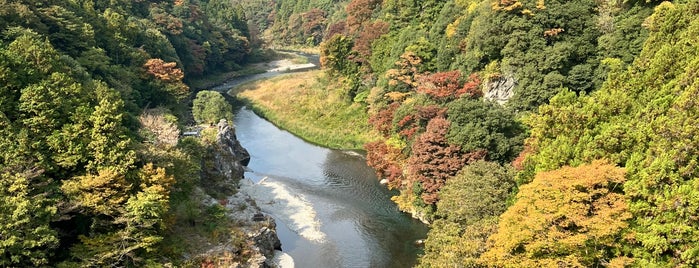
{"x":308,"y":105}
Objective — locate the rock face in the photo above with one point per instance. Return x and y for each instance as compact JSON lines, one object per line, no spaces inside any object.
{"x":220,"y":181}
{"x":227,"y":165}
{"x":501,"y":88}
{"x":229,"y":144}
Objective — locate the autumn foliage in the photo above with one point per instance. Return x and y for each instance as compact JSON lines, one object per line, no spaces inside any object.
{"x":362,"y":44}
{"x":416,"y":122}
{"x":385,"y":160}
{"x":433,"y":160}
{"x":446,"y":86}
{"x":570,"y":217}
{"x":382,"y":119}
{"x":358,"y":12}
{"x":165,"y":71}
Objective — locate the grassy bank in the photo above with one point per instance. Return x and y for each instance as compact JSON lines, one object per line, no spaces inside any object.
{"x":307,"y":105}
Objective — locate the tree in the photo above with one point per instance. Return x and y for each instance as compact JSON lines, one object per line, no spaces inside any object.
{"x":170,"y":76}
{"x":336,"y":55}
{"x":313,"y":26}
{"x":447,"y":86}
{"x":479,"y":125}
{"x":209,"y":107}
{"x":26,"y":238}
{"x":359,"y":12}
{"x":574,"y":216}
{"x":467,"y":213}
{"x":434,"y":160}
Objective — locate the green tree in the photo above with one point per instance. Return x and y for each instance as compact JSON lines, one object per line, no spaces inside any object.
{"x":479,"y":125}
{"x":467,"y":213}
{"x":26,"y":238}
{"x":210,"y":106}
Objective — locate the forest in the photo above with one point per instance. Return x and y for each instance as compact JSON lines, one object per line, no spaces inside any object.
{"x":527,"y":133}
{"x":92,"y":100}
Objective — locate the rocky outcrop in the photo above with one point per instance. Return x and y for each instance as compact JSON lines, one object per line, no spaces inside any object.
{"x":223,"y":172}
{"x":226,"y":163}
{"x":258,"y":229}
{"x":500,"y":88}
{"x":229,"y":144}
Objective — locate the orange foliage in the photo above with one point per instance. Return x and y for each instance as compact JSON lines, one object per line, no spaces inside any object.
{"x":165,"y":71}
{"x":553,"y":32}
{"x":570,"y":217}
{"x":446,"y":86}
{"x":406,"y":75}
{"x":385,"y":160}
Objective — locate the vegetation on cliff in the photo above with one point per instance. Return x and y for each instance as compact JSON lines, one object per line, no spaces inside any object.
{"x":92,"y":97}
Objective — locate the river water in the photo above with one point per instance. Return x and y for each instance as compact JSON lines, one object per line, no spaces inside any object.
{"x":331,"y":197}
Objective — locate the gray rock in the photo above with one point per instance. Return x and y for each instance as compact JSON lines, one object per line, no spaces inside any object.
{"x":228,"y":142}
{"x":500,"y":89}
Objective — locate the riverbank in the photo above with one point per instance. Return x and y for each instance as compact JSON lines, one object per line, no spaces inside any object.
{"x":308,"y":105}
{"x":266,"y":62}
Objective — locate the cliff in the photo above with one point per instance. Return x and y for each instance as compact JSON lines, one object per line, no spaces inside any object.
{"x":255,"y":236}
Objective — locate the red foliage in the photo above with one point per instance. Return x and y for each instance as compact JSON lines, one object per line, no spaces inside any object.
{"x":414,"y":123}
{"x":313,"y":23}
{"x":339,"y":27}
{"x":471,"y":87}
{"x":518,"y":163}
{"x":440,"y":86}
{"x":362,"y":44}
{"x":382,"y":120}
{"x":383,"y":159}
{"x":433,"y":160}
{"x":446,"y":86}
{"x":358,"y":12}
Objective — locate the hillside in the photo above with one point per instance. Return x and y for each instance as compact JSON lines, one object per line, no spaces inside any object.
{"x":92,"y":100}
{"x":528,"y":133}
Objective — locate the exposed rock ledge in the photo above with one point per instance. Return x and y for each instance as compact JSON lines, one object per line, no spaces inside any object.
{"x":229,"y":161}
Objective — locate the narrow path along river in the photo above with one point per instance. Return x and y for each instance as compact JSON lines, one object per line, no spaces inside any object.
{"x":330,"y":209}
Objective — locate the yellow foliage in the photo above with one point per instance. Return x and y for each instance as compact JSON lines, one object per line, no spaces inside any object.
{"x":396,"y":96}
{"x":104,"y":193}
{"x":156,"y":178}
{"x":570,"y":216}
{"x":451,"y":28}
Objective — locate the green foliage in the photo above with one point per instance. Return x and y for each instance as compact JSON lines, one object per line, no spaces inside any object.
{"x":25,"y":213}
{"x":336,"y":55}
{"x":479,"y":125}
{"x":74,"y":186}
{"x":467,"y":214}
{"x":210,"y":106}
{"x":640,"y":119}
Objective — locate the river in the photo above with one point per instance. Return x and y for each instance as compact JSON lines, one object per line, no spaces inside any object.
{"x":330,"y":209}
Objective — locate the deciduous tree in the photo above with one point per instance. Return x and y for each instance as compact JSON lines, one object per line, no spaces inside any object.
{"x":574,"y":216}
